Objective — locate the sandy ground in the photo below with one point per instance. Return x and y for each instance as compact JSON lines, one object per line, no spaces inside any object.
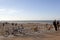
{"x":42,"y":35}
{"x":45,"y":36}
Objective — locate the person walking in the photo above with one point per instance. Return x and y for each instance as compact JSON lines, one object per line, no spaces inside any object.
{"x":55,"y":24}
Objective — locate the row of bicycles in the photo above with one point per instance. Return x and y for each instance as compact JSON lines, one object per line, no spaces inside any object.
{"x":14,"y":32}
{"x":18,"y":31}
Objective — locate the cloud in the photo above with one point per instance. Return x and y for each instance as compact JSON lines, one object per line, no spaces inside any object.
{"x":10,"y":14}
{"x":7,"y":11}
{"x":9,"y":18}
{"x":13,"y":14}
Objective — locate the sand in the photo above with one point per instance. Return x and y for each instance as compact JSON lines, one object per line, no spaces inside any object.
{"x":45,"y":36}
{"x":42,"y":34}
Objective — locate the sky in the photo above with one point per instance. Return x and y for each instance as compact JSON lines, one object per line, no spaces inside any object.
{"x":29,"y":9}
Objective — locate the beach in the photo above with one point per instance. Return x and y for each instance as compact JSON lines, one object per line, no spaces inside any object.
{"x":46,"y":36}
{"x":45,"y":31}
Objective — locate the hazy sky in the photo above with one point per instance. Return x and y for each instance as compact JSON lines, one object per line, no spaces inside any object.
{"x":29,"y":9}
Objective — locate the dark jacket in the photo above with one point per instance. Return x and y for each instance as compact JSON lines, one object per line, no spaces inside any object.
{"x":54,"y":23}
{"x":57,"y":22}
